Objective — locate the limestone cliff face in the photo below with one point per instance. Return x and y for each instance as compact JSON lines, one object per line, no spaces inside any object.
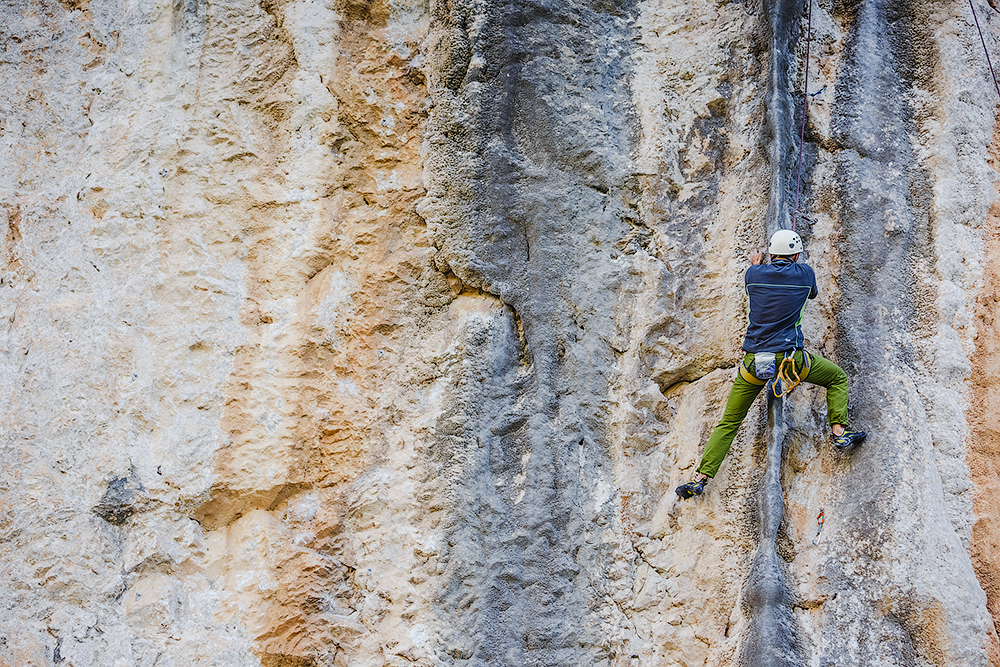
{"x":357,"y":332}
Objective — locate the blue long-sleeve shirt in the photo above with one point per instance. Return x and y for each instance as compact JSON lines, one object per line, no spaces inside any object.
{"x":778,"y":294}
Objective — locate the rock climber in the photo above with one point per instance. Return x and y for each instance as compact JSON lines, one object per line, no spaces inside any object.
{"x":778,"y":293}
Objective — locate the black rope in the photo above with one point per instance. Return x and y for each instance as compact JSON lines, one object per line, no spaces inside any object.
{"x":985,"y":50}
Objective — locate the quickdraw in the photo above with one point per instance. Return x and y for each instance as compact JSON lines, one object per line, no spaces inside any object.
{"x":787,"y":377}
{"x":820,"y":519}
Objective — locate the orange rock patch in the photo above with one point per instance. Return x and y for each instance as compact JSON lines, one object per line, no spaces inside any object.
{"x":984,"y":445}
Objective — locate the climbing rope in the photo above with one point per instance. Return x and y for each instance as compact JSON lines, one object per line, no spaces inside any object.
{"x":805,"y":112}
{"x":987,"y":51}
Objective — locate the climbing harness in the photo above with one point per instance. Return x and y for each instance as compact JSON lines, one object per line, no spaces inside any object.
{"x":805,"y":113}
{"x":987,"y":51}
{"x":820,"y":519}
{"x":752,"y":378}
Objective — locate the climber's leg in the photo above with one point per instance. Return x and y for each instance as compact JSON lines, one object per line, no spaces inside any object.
{"x":741,"y":397}
{"x":827,"y":374}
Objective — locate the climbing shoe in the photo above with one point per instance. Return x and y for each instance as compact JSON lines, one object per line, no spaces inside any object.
{"x":691,"y":489}
{"x":848,"y":440}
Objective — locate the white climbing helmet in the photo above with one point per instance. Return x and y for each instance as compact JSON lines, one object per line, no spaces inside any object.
{"x":784,"y":242}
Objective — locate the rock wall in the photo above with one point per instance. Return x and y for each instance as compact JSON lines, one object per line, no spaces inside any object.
{"x":358,"y":332}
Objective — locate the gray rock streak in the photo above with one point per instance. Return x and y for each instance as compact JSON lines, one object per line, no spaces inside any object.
{"x":530,"y":173}
{"x":771,"y":636}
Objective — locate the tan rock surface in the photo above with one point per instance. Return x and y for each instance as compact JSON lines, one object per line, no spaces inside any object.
{"x":379,"y":333}
{"x":984,"y":443}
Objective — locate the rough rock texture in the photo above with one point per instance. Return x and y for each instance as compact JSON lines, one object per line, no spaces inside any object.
{"x":358,"y":332}
{"x":984,"y":442}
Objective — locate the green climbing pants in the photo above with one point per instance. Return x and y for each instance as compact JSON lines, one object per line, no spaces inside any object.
{"x":823,"y":372}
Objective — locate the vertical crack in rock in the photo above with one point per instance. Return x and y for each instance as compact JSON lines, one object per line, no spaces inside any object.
{"x":530,"y":167}
{"x":770,"y":638}
{"x":784,"y":18}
